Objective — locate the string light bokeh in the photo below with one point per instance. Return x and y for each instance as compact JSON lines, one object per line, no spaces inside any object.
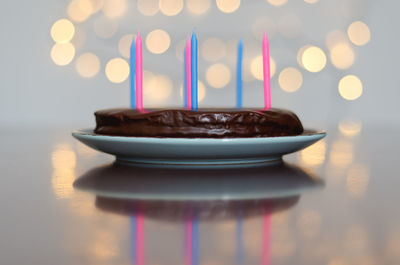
{"x":336,"y":51}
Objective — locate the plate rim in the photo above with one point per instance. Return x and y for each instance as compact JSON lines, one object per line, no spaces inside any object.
{"x":89,"y":132}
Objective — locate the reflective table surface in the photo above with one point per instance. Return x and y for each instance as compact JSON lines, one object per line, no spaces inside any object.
{"x":334,"y":203}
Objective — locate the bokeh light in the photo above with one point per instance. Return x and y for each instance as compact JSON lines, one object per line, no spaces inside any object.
{"x":171,"y":7}
{"x":63,"y":159}
{"x":158,"y":41}
{"x":156,"y":88}
{"x":350,"y":87}
{"x":342,"y":55}
{"x":300,"y":52}
{"x":79,"y":10}
{"x":124,"y":45}
{"x":117,"y":70}
{"x":104,"y":246}
{"x":213,"y":49}
{"x":256,"y":67}
{"x":334,"y":37}
{"x":62,"y":31}
{"x":62,"y":53}
{"x":246,"y":67}
{"x":289,"y":26}
{"x":311,"y":1}
{"x":148,"y":7}
{"x":357,"y":180}
{"x":105,"y":28}
{"x":261,"y":25}
{"x":359,"y":33}
{"x":290,"y":79}
{"x":350,"y":127}
{"x":97,"y":5}
{"x":313,"y":59}
{"x":277,"y":2}
{"x":114,"y":8}
{"x":62,"y":183}
{"x":314,"y":155}
{"x":341,"y":154}
{"x":87,"y":65}
{"x":198,"y":7}
{"x":218,"y":75}
{"x":228,"y":6}
{"x":201,"y":91}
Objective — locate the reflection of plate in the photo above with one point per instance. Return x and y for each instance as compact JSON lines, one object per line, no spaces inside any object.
{"x":197,"y":151}
{"x":211,"y":210}
{"x":203,"y":184}
{"x":175,"y":193}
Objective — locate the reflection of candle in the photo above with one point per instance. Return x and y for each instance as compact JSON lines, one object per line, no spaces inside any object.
{"x":195,"y":242}
{"x":239,"y":240}
{"x":266,"y":72}
{"x":239,"y":81}
{"x":192,"y":241}
{"x":140,"y":239}
{"x":132,"y":72}
{"x":133,"y":239}
{"x":266,"y":239}
{"x":188,"y":242}
{"x":194,"y":71}
{"x":139,"y":73}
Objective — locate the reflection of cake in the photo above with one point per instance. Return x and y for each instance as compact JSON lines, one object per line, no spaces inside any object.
{"x":204,"y":123}
{"x":204,"y":210}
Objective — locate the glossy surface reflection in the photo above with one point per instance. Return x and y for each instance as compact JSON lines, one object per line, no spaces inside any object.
{"x":201,"y":184}
{"x":334,"y":203}
{"x":187,"y":198}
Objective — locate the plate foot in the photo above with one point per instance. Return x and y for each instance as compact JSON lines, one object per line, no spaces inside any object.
{"x":200,"y":163}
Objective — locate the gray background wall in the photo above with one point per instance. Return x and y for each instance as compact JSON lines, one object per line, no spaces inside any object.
{"x":33,"y":90}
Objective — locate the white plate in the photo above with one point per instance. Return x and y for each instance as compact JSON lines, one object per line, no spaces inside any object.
{"x":197,"y":151}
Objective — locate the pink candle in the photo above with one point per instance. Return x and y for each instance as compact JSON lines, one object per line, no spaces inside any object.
{"x":188,"y":75}
{"x":139,"y":73}
{"x":140,"y":239}
{"x":266,"y":72}
{"x":266,"y":239}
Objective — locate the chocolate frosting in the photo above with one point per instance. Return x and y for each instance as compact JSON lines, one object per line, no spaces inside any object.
{"x":203,"y":123}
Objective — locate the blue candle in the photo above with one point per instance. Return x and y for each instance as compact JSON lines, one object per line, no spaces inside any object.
{"x":194,"y":71}
{"x":195,"y":241}
{"x":239,"y":81}
{"x":184,"y":79}
{"x":239,"y":240}
{"x":132,"y":72}
{"x":133,"y":238}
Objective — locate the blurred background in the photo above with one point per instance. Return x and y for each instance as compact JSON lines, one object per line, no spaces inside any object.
{"x":333,"y":62}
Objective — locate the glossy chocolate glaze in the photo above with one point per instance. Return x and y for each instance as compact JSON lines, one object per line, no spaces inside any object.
{"x":204,"y":123}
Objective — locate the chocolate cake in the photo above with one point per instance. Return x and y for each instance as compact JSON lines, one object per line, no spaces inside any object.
{"x":203,"y":123}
